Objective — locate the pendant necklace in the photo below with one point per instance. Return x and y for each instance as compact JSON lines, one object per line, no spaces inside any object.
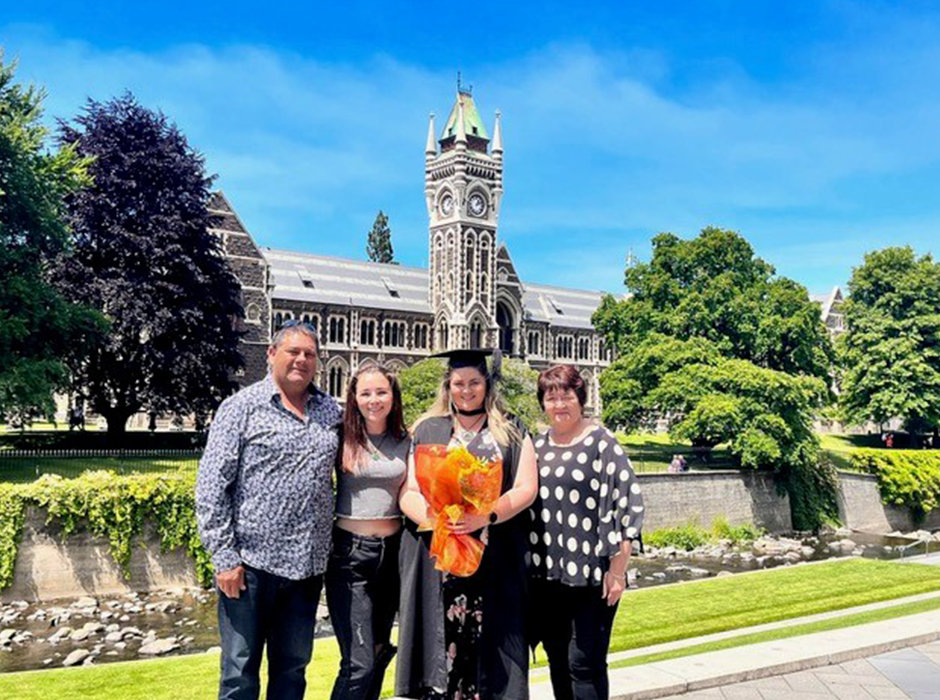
{"x":465,"y":435}
{"x":377,"y":449}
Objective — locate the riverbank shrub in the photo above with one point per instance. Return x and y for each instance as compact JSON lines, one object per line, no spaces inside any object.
{"x":908,"y":478}
{"x":107,"y":505}
{"x":691,"y":535}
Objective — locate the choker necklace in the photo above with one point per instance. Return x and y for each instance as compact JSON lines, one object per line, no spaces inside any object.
{"x":474,"y":412}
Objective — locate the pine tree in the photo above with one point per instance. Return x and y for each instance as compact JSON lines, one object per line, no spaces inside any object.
{"x":379,"y":248}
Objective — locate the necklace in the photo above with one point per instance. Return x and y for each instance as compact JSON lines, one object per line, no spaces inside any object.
{"x":466,"y":434}
{"x":376,"y":450}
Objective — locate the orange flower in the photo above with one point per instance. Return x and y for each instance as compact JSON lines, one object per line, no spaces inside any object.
{"x":454,"y":482}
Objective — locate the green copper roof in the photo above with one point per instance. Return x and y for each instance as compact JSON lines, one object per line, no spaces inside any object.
{"x":471,"y":119}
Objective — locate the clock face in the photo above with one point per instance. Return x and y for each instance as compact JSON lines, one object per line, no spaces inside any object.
{"x":447,"y":205}
{"x":477,"y":204}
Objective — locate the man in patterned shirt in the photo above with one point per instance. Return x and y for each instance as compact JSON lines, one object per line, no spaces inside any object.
{"x":264,"y":504}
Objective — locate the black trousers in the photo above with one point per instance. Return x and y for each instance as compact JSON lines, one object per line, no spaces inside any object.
{"x":275,"y":612}
{"x":574,"y":624}
{"x":362,"y":585}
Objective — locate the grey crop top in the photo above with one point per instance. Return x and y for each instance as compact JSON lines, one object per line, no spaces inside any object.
{"x":371,"y":493}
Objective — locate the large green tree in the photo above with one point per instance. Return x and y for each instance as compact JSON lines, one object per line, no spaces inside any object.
{"x":715,"y":287}
{"x":144,"y":256}
{"x":379,"y":245}
{"x":37,"y":325}
{"x":712,"y":342}
{"x":890,"y":353}
{"x":420,"y":383}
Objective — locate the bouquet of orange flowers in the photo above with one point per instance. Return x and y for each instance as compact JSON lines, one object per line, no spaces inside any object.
{"x":454,"y":482}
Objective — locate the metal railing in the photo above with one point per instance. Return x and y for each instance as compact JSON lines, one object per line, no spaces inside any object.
{"x":30,"y":464}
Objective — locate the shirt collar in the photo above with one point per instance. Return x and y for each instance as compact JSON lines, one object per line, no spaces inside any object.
{"x":315,"y":397}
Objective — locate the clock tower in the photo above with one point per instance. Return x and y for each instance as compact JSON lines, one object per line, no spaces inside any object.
{"x":463,"y":186}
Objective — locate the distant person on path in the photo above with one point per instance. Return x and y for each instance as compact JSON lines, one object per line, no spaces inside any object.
{"x":362,"y":582}
{"x":264,"y":505}
{"x":678,"y":464}
{"x":583,"y":525}
{"x":889,"y":441}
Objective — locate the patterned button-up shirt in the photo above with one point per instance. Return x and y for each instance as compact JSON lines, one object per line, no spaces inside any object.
{"x":263,"y":494}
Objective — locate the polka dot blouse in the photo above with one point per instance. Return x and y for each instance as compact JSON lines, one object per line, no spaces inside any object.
{"x":589,"y":502}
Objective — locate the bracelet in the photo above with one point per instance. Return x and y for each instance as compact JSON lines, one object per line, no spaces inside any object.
{"x":619,"y":577}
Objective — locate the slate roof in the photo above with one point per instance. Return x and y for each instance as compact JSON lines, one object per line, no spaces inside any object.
{"x":327,"y":280}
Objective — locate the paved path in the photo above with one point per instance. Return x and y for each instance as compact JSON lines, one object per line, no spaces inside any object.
{"x":805,"y":656}
{"x":912,"y":673}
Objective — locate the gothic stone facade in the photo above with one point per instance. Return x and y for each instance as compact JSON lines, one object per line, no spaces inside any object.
{"x":470,"y":296}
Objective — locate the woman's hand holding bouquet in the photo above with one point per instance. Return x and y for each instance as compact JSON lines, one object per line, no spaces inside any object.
{"x":460,"y":490}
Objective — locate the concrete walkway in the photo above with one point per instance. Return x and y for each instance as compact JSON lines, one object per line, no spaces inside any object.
{"x":912,"y":673}
{"x":823,"y":653}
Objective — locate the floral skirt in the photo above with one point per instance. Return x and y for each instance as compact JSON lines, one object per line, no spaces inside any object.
{"x":463,"y":621}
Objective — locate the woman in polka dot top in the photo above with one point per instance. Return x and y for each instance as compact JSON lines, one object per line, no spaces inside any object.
{"x":588,"y":513}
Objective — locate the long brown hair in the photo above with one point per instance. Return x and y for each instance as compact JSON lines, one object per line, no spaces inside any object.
{"x":354,"y":425}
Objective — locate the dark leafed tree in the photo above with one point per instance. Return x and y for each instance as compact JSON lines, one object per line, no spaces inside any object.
{"x":37,"y":324}
{"x":145,"y":257}
{"x":379,"y":247}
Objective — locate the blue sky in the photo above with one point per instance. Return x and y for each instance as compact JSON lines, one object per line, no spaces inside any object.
{"x":813,"y":128}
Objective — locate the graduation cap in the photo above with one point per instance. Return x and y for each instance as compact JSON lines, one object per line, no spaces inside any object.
{"x":475,"y":358}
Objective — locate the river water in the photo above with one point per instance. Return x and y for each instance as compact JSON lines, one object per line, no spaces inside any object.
{"x":122,"y":625}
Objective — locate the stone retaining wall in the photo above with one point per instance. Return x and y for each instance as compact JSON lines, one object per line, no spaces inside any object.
{"x":50,"y":566}
{"x":860,"y":507}
{"x":741,"y":497}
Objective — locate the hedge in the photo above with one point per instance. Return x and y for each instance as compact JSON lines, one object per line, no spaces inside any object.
{"x":110,"y":506}
{"x":906,"y":477}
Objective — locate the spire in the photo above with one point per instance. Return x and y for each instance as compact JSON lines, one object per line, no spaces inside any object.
{"x":431,"y":148}
{"x":461,"y":127}
{"x":497,"y":148}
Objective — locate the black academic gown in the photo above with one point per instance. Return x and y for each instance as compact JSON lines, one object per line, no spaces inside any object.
{"x":421,"y":649}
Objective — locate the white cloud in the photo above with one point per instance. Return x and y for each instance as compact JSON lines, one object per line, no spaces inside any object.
{"x":599,"y":145}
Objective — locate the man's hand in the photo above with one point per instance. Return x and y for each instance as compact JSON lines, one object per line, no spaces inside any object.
{"x":231,"y":582}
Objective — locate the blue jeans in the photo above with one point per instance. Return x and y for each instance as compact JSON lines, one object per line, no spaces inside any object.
{"x":362,"y":587}
{"x":272,"y":611}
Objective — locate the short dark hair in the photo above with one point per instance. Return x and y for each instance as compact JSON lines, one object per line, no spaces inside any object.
{"x":562,"y":378}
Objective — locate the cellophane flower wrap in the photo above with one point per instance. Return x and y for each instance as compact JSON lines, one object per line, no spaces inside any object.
{"x":453,"y":481}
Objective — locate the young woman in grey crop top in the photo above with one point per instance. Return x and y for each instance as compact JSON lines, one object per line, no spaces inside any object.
{"x":362,"y":581}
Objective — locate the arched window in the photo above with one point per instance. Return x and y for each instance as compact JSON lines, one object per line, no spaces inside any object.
{"x":337,"y":381}
{"x":367,"y":332}
{"x":476,"y":335}
{"x":504,"y":320}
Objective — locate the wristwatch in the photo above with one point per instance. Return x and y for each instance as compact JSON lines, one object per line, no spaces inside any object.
{"x":493,"y":517}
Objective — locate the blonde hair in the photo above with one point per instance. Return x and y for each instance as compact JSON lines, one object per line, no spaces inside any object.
{"x":500,"y":426}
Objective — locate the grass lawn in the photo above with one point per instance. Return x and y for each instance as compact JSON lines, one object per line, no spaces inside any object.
{"x":891,"y":613}
{"x":840,"y":448}
{"x":652,"y":452}
{"x":26,"y":469}
{"x":646,"y":617}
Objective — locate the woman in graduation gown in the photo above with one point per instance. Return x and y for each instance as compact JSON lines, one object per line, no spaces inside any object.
{"x":463,"y":638}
